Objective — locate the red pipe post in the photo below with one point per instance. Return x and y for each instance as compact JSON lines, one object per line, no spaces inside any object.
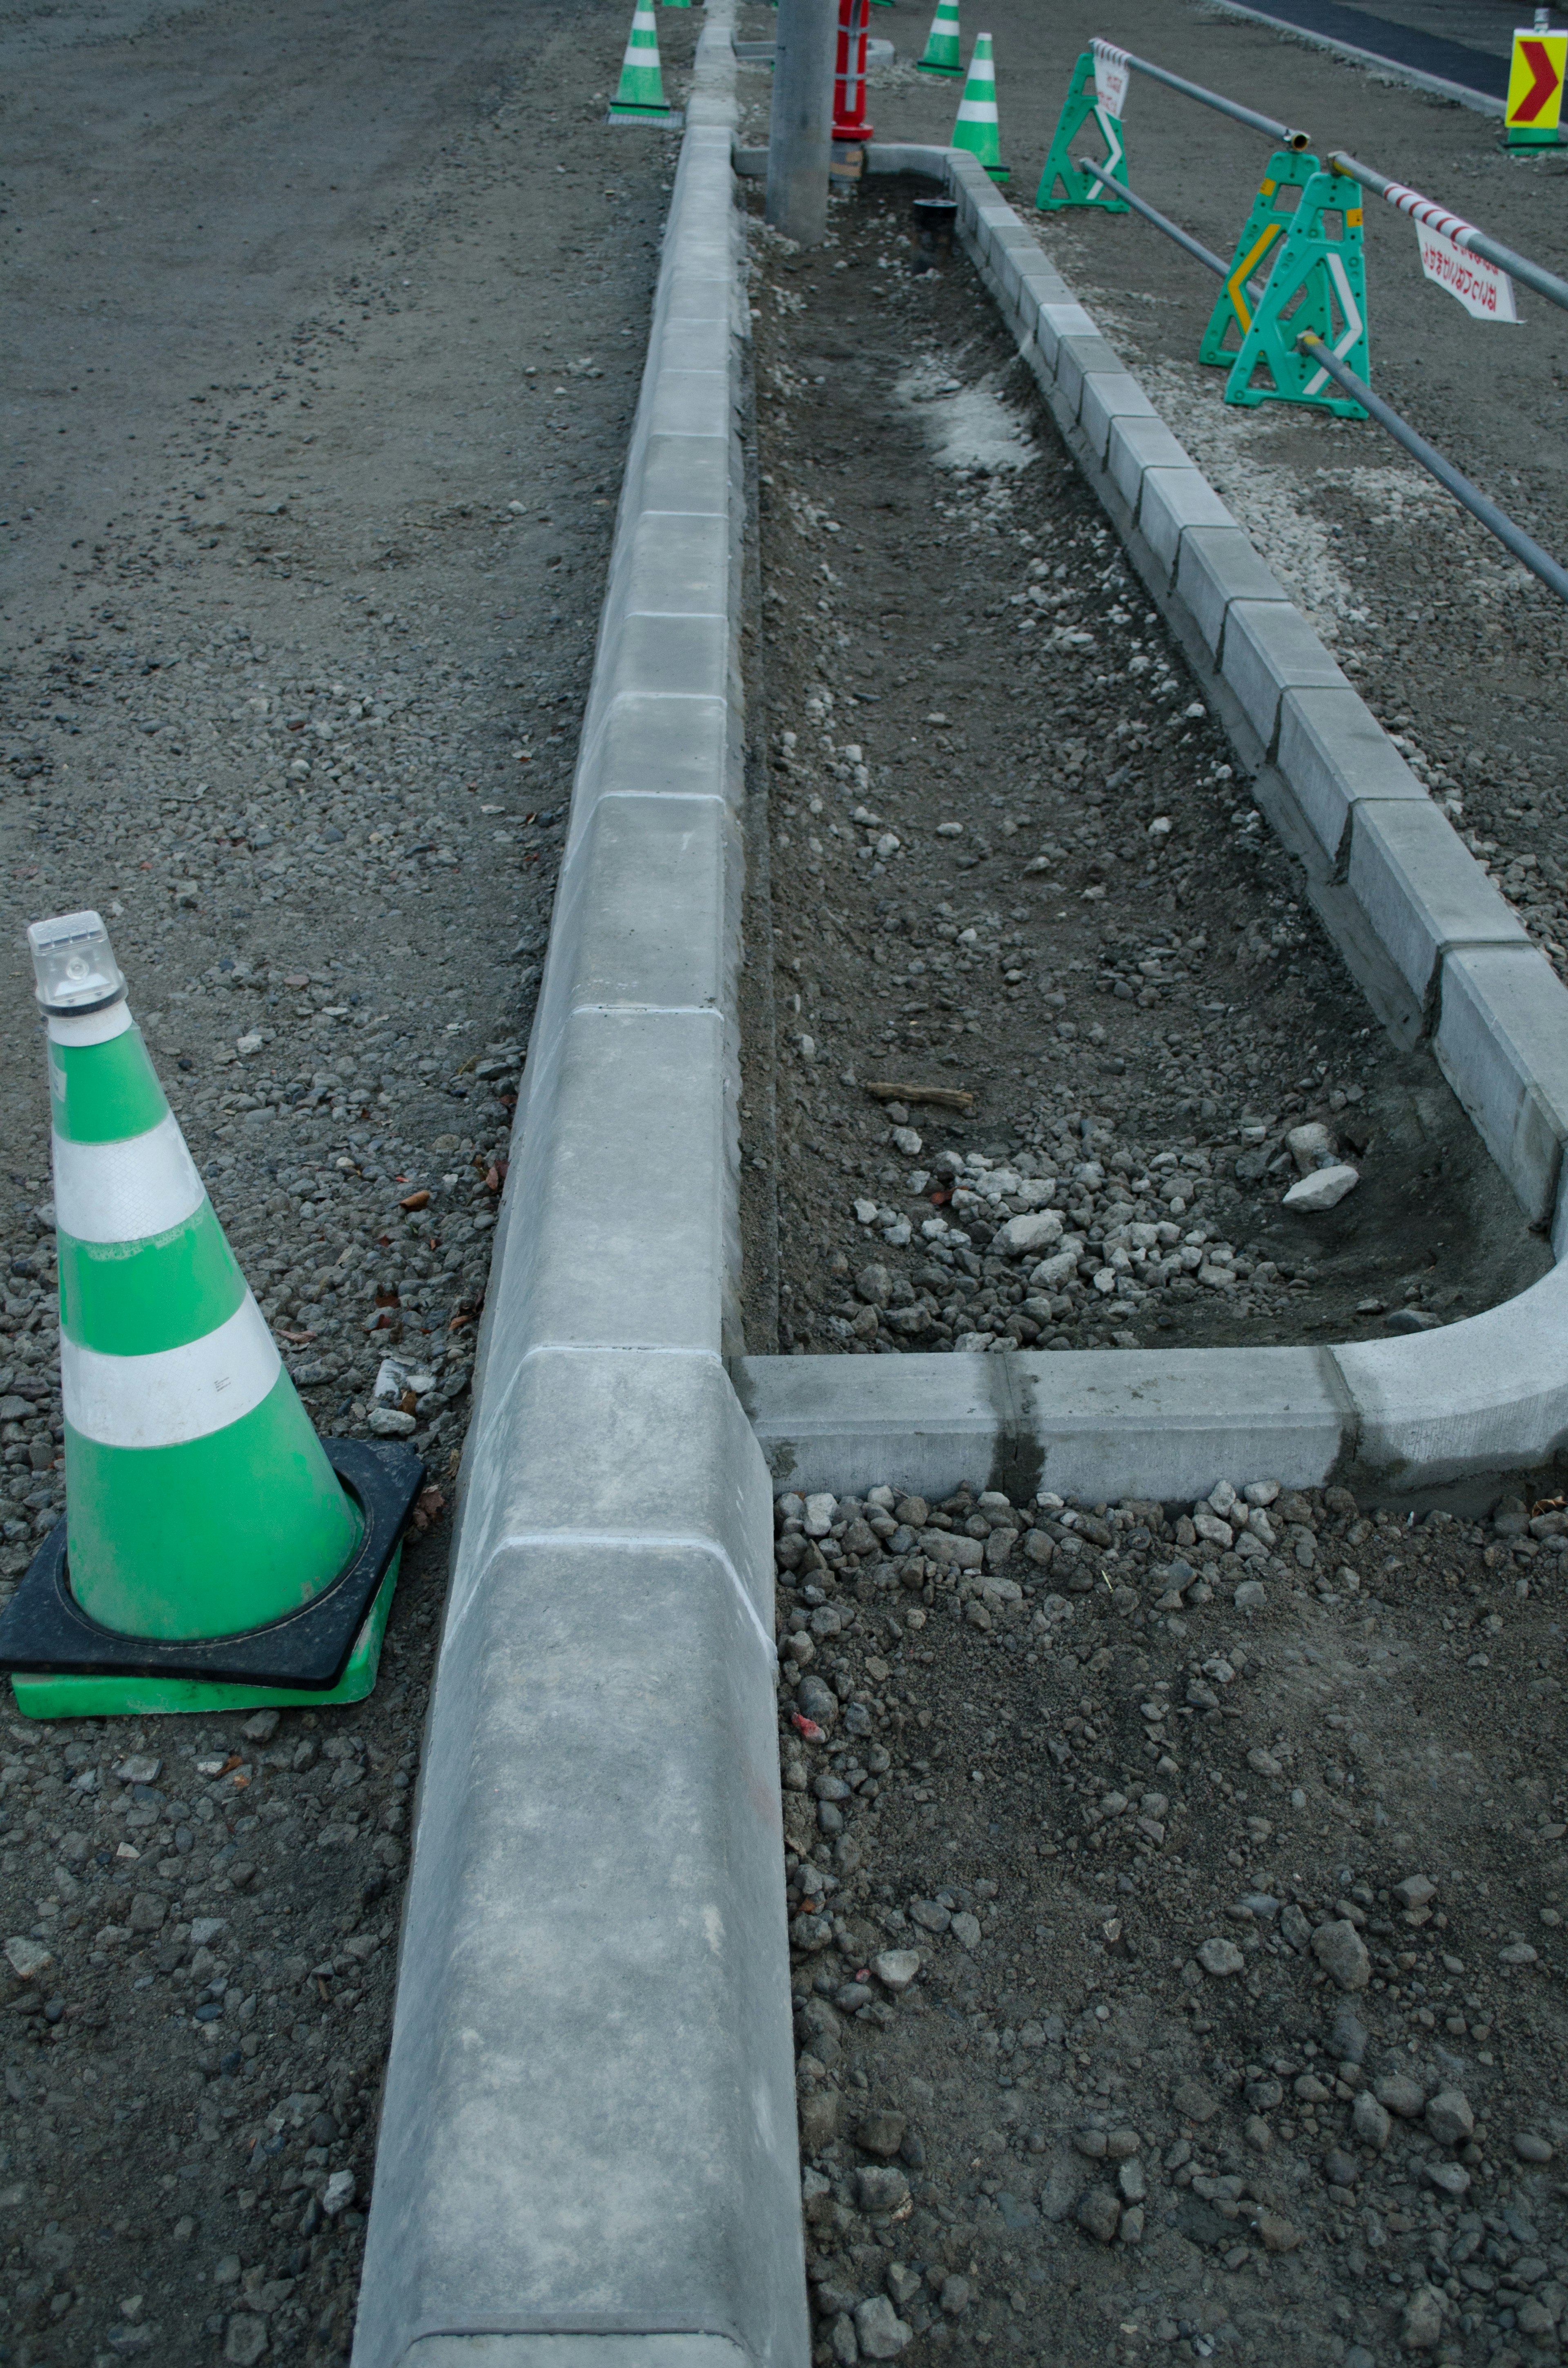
{"x":849,"y":122}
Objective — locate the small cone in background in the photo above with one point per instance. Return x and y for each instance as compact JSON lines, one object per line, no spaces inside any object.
{"x":640,"y":95}
{"x":205,"y":1520}
{"x":977,"y":128}
{"x":942,"y":55}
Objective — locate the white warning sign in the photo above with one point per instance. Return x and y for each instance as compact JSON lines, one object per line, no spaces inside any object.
{"x":1111,"y":77}
{"x":1482,"y":288}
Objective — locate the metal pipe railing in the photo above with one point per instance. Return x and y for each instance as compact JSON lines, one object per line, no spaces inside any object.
{"x":1514,"y":537}
{"x":1237,"y":113}
{"x":1194,"y":247}
{"x":1528,"y":551}
{"x":1454,"y":226}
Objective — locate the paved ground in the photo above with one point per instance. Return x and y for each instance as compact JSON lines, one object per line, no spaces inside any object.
{"x":323,"y":333}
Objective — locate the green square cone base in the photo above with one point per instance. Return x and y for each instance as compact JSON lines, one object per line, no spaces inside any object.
{"x":950,"y":74}
{"x":132,"y":1697}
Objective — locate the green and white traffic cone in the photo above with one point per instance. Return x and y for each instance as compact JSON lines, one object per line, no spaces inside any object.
{"x":640,"y":95}
{"x":942,"y":55}
{"x":977,"y":128}
{"x":208,"y":1535}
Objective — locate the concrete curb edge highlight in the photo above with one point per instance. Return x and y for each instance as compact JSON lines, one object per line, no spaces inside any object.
{"x":1434,"y":946}
{"x":588,"y":2135}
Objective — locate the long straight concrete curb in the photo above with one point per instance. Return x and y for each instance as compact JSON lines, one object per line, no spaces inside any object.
{"x":1435,"y":946}
{"x":589,"y":2141}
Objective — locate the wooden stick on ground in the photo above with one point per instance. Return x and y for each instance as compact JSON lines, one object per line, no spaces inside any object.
{"x":938,"y":1097}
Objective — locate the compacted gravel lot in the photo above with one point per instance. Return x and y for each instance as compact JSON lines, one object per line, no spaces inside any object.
{"x":298,"y":617}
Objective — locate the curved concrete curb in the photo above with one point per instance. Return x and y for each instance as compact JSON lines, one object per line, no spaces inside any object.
{"x":1432,"y":942}
{"x":589,"y":2141}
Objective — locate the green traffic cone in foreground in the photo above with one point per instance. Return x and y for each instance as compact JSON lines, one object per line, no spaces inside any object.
{"x":941,"y":55}
{"x":200,"y":1502}
{"x":977,"y":128}
{"x":640,"y":95}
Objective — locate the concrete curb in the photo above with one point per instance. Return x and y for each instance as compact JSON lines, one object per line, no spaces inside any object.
{"x":588,"y":2137}
{"x":1433,"y":944}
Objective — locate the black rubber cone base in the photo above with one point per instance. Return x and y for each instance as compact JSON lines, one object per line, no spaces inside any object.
{"x":44,"y":1631}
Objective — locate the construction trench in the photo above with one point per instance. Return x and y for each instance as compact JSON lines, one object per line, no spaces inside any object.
{"x":1164,"y":1880}
{"x":1104,"y":1773}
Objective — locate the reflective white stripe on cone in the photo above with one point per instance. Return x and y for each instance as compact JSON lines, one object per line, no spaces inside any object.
{"x":128,"y":1191}
{"x":172,"y":1395}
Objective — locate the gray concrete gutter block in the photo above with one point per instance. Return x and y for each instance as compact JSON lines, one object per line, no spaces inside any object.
{"x":657,"y":744}
{"x":1269,"y":648}
{"x":673,"y":1458}
{"x":1108,"y":396}
{"x":1137,"y":443}
{"x":1078,"y":359}
{"x":691,"y":403}
{"x":674,"y":654}
{"x":1485,"y":1395}
{"x":705,"y":344}
{"x":1156,"y":1423}
{"x":695,"y":293}
{"x":685,"y":472}
{"x":1058,"y":320}
{"x":594,"y":1975}
{"x":1171,"y":500}
{"x":625,"y":1242}
{"x":1422,"y":891}
{"x":673,"y":560}
{"x":644,"y":900}
{"x":1502,"y":1041}
{"x":1040,"y":282}
{"x":1335,"y":752}
{"x":1216,"y":566}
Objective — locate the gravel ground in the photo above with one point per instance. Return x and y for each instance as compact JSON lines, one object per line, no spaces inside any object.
{"x":1011,"y":862}
{"x":1176,"y":1915}
{"x":296,"y":663}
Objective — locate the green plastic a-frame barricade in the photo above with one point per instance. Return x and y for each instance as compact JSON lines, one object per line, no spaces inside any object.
{"x":1061,"y":168}
{"x":1318,"y":282}
{"x":1255,"y":252}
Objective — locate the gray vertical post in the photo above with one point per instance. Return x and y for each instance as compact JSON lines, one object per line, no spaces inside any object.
{"x":799,"y":133}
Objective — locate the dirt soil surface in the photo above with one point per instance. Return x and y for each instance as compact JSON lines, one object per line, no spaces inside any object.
{"x":1178,"y":1903}
{"x":1012,"y":862}
{"x":323,"y":335}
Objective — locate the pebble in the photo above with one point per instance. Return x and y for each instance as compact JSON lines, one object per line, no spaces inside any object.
{"x":1099,"y":2211}
{"x":1402,"y":2096}
{"x":1450,"y":2118}
{"x":881,"y":2188}
{"x":1532,"y":2148}
{"x":1323,"y":1189}
{"x":1421,"y":2322}
{"x":1341,"y":1952}
{"x":882,"y":2335}
{"x":1220,"y":1957}
{"x":896,"y":1968}
{"x":1369,"y":2120}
